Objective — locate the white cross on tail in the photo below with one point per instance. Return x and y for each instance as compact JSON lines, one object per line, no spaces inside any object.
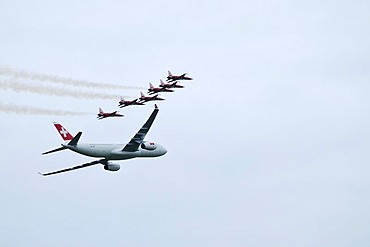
{"x":63,"y":132}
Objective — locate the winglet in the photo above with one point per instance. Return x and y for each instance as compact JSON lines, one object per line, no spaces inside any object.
{"x":155,"y":106}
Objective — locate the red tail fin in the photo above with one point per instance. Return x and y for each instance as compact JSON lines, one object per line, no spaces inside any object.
{"x":63,"y":132}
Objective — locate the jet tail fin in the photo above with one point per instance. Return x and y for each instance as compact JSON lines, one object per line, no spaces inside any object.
{"x":63,"y":132}
{"x":75,"y":139}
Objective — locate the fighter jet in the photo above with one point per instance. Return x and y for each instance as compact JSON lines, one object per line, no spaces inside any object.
{"x":170,"y":85}
{"x":136,"y":148}
{"x":103,"y":114}
{"x":144,"y":98}
{"x":123,"y":102}
{"x":172,"y":77}
{"x":153,"y":90}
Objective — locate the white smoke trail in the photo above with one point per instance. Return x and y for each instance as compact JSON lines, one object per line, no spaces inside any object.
{"x":29,"y":110}
{"x":15,"y":73}
{"x":25,"y":87}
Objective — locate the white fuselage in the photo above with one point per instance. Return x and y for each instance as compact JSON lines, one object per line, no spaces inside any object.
{"x":114,"y":151}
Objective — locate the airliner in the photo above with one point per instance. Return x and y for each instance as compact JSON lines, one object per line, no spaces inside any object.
{"x":136,"y":148}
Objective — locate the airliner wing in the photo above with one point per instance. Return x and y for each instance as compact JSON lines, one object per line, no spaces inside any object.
{"x":102,"y":161}
{"x":135,"y":142}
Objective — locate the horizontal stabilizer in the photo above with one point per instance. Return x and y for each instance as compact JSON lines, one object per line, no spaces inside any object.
{"x":54,"y":150}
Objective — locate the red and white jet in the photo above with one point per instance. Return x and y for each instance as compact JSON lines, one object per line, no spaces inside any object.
{"x":123,"y":102}
{"x":144,"y":98}
{"x":172,"y":77}
{"x":153,"y":90}
{"x":103,"y":114}
{"x":170,"y":85}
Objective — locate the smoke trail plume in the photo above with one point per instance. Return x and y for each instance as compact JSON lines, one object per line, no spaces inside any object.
{"x":15,"y":73}
{"x":29,"y":110}
{"x":25,"y":87}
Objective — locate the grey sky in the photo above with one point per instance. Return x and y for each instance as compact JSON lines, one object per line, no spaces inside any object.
{"x":268,"y":146}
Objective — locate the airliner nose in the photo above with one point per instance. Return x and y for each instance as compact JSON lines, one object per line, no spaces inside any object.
{"x":164,"y":151}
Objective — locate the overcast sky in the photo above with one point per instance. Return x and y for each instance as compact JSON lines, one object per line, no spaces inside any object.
{"x":267,"y":146}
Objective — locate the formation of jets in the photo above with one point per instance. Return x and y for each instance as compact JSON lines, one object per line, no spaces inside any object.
{"x":137,"y":147}
{"x":152,"y":94}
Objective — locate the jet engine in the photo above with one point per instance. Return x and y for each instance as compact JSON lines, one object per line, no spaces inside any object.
{"x":148,"y":145}
{"x":112,"y":167}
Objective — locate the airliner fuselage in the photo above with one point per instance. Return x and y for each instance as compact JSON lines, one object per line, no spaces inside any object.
{"x":114,"y":151}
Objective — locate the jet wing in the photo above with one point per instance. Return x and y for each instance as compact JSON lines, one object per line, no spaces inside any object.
{"x":135,"y":142}
{"x":102,"y":161}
